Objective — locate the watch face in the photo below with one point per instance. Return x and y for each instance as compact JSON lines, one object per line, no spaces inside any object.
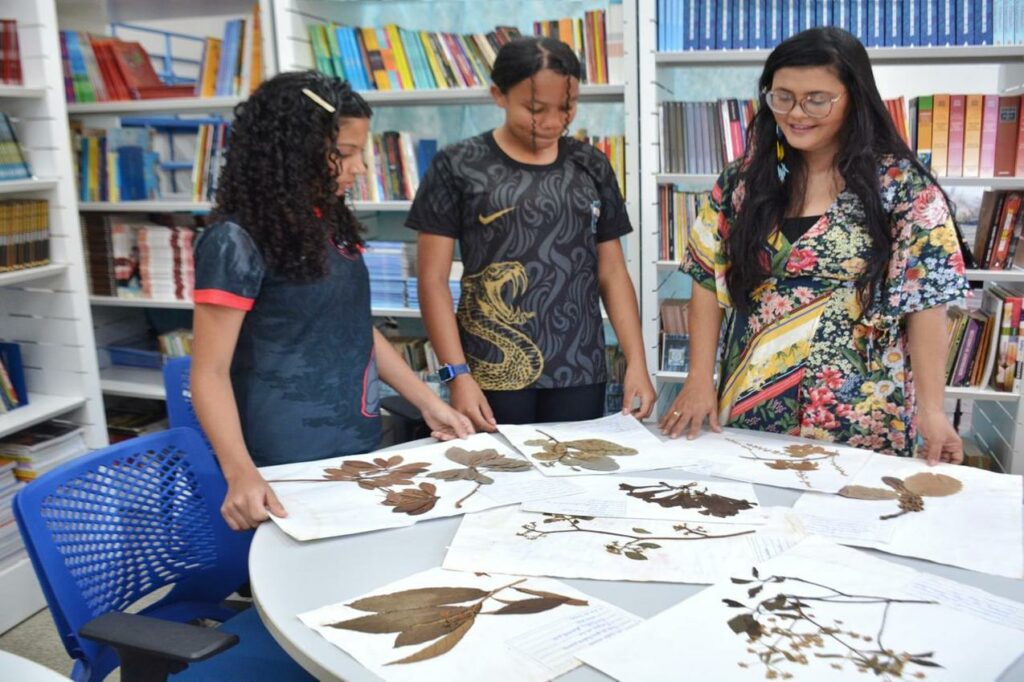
{"x":445,"y":374}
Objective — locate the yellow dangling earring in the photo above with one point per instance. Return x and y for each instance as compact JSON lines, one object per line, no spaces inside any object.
{"x":780,"y":153}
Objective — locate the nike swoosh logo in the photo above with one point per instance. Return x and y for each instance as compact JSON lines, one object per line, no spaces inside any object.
{"x":488,"y":219}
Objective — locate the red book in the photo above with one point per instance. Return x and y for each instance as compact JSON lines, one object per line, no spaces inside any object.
{"x":461,"y":63}
{"x":989,"y":123}
{"x":1006,"y":136}
{"x":735,"y":131}
{"x":1019,"y":166}
{"x":109,"y":71}
{"x":135,"y":68}
{"x":1004,"y":234}
{"x":165,"y":92}
{"x":955,"y":160}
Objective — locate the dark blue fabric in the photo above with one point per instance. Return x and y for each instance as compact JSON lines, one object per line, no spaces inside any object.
{"x":304,"y":373}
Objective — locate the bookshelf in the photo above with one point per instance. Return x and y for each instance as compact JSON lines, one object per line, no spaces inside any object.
{"x":997,"y":417}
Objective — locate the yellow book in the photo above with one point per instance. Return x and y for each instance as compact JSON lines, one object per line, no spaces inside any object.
{"x":211,"y":60}
{"x":599,"y":47}
{"x":972,"y":136}
{"x":435,"y":66}
{"x":380,"y":72}
{"x":113,"y":188}
{"x":256,"y":67}
{"x":940,"y":134}
{"x":94,"y":170}
{"x":401,"y":60}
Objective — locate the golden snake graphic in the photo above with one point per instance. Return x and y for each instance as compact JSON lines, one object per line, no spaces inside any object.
{"x":484,"y":313}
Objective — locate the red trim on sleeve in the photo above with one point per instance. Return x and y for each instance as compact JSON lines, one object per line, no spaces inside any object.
{"x":224,"y":298}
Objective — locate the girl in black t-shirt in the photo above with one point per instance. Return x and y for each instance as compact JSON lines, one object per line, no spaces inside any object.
{"x":538,"y":217}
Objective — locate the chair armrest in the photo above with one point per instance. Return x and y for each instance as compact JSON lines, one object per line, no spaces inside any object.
{"x":154,"y":638}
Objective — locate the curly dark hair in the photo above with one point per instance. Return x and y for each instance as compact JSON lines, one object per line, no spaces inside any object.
{"x":278,"y":181}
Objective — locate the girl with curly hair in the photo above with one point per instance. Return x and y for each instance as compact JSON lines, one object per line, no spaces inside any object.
{"x":286,"y":360}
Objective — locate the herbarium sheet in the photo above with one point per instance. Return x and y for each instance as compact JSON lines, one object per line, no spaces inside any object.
{"x":820,"y":612}
{"x":346,"y":495}
{"x":956,"y":515}
{"x":446,"y":625}
{"x":508,"y":540}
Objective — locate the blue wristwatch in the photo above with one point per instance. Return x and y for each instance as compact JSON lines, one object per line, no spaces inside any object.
{"x":448,"y":372}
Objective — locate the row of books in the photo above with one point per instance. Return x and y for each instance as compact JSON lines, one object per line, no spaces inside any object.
{"x":38,"y":449}
{"x":12,"y":549}
{"x":129,"y":418}
{"x":395,"y":162}
{"x":211,"y":147}
{"x":986,"y":344}
{"x":763,"y":24}
{"x":232,"y":65}
{"x":614,"y":148}
{"x":1000,"y":221}
{"x":10,"y":53}
{"x":12,"y":378}
{"x":701,"y":137}
{"x":677,"y":211}
{"x":115,"y":164}
{"x":968,"y":135}
{"x":175,"y":344}
{"x":597,"y":39}
{"x":24,"y":234}
{"x":13,"y":164}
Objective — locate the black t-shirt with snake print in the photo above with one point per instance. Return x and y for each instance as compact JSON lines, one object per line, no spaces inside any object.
{"x":529,"y":315}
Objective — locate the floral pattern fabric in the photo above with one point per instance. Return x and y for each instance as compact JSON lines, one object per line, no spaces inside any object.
{"x":805,"y":360}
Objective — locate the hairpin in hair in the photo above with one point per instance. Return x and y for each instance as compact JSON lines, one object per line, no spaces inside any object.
{"x":319,"y":100}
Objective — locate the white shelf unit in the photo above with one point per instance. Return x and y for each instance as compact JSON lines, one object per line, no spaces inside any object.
{"x":182,"y":105}
{"x":997,"y":417}
{"x":46,"y":310}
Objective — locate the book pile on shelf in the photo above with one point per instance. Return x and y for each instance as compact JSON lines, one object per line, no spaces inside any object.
{"x":614,"y":148}
{"x":13,"y":164}
{"x":233,"y":65}
{"x":394,"y":58}
{"x":737,"y":25}
{"x":675,"y":335}
{"x":677,"y":211}
{"x":129,"y":418}
{"x":968,"y":136}
{"x":11,"y":545}
{"x":997,"y":235}
{"x":43,"y":447}
{"x":412,"y":286}
{"x":115,"y":164}
{"x":24,"y":234}
{"x":166,"y":267}
{"x":986,"y":344}
{"x":702,"y":137}
{"x":12,"y":378}
{"x":10,"y":53}
{"x":395,"y":162}
{"x":175,"y":344}
{"x":211,"y":145}
{"x":389,"y":264}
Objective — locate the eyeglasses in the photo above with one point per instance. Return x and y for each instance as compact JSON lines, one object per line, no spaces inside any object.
{"x":815,"y":105}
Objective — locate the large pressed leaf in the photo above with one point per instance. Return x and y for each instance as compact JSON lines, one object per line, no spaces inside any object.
{"x":418,"y":634}
{"x":928,"y":484}
{"x":397,"y":621}
{"x":529,"y":606}
{"x":412,"y":501}
{"x":441,"y":646}
{"x":420,"y":597}
{"x":863,"y":492}
{"x":592,"y":463}
{"x":551,"y":595}
{"x":599,"y":446}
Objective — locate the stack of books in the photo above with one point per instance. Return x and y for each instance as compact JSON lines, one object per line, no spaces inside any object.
{"x":677,"y":212}
{"x":11,"y":546}
{"x":166,"y":265}
{"x":13,"y":164}
{"x":211,"y":145}
{"x":986,"y":347}
{"x":395,"y":162}
{"x":115,"y":164}
{"x":176,"y":344}
{"x":389,"y":264}
{"x":10,"y":53}
{"x":614,"y":148}
{"x":24,"y":234}
{"x":675,"y":335}
{"x":702,"y":137}
{"x":412,"y":286}
{"x":40,"y":448}
{"x":233,"y":65}
{"x":129,"y":418}
{"x":1000,"y":222}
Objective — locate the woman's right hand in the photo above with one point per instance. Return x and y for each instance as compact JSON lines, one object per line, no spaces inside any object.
{"x":697,"y":400}
{"x":248,"y":500}
{"x":468,"y":398}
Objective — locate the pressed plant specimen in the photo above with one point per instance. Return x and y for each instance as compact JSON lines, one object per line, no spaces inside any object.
{"x":785,"y":631}
{"x":688,"y":496}
{"x":909,"y":492}
{"x":633,"y":545}
{"x":587,"y":453}
{"x":797,"y":457}
{"x":444,"y":614}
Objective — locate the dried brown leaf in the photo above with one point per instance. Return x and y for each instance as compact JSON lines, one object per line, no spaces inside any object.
{"x":927,"y":484}
{"x":782,"y":464}
{"x":418,"y":634}
{"x":412,"y":501}
{"x":441,"y":646}
{"x":417,"y":598}
{"x":452,"y":474}
{"x":529,"y":606}
{"x":745,"y":623}
{"x":396,"y":621}
{"x":459,"y":455}
{"x":546,"y":456}
{"x":594,"y":463}
{"x":863,"y":492}
{"x":552,"y":595}
{"x":599,"y":446}
{"x":806,"y":450}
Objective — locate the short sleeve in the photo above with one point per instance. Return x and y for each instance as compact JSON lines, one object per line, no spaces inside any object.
{"x":229,"y":267}
{"x":437,"y":206}
{"x":704,"y":259}
{"x":613,"y":221}
{"x":927,"y":262}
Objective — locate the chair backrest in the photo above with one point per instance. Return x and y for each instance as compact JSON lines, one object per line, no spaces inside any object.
{"x":179,"y":394}
{"x":118,"y":523}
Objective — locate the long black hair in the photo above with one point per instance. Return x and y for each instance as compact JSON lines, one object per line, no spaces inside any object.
{"x":520,"y":59}
{"x":867,"y":134}
{"x":278,"y":181}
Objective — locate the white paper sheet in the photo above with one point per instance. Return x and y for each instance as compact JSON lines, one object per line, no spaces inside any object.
{"x":832,"y":620}
{"x":527,"y":647}
{"x":771,"y":459}
{"x":668,"y":499}
{"x":508,"y":540}
{"x":980,"y":528}
{"x":319,"y":509}
{"x":651,"y":452}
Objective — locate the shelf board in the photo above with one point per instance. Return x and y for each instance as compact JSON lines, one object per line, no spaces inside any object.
{"x":477,"y":95}
{"x":174,"y":105}
{"x":115,"y":302}
{"x":21,"y":92}
{"x":30,"y":274}
{"x":709,"y":180}
{"x":671,"y":377}
{"x":370,"y":206}
{"x":1013,"y":275}
{"x":39,"y":409}
{"x":133,"y":382}
{"x":960,"y":54}
{"x":972,"y":393}
{"x":685,"y":179}
{"x":26,"y":185}
{"x":149,"y":206}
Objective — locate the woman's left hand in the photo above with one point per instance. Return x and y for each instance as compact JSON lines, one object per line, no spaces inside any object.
{"x":637,"y":384}
{"x":446,"y":422}
{"x":941,"y":441}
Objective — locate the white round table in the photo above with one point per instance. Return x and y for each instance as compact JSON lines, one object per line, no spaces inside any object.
{"x":14,"y":667}
{"x":290,"y":577}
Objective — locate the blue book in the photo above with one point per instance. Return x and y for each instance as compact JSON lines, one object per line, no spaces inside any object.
{"x":708,"y":23}
{"x":673,"y":32}
{"x":773,"y":23}
{"x":724,"y":22}
{"x":691,"y":24}
{"x":859,"y":20}
{"x":129,"y":166}
{"x":983,"y":34}
{"x":808,"y":14}
{"x":929,"y":26}
{"x":662,"y":24}
{"x":841,"y":14}
{"x":912,"y":23}
{"x":876,"y":23}
{"x":740,"y":24}
{"x":225,"y":83}
{"x":351,"y":49}
{"x":417,"y":62}
{"x":894,"y":22}
{"x":1017,"y":19}
{"x":946,"y":33}
{"x":756,"y":30}
{"x":425,"y":150}
{"x":965,"y":22}
{"x":824,"y":13}
{"x":791,"y":17}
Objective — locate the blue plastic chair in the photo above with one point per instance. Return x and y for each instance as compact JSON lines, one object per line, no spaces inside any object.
{"x":179,"y":394}
{"x":114,"y":525}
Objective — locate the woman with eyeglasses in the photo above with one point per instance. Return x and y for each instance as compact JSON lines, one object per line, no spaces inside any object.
{"x":829,"y":255}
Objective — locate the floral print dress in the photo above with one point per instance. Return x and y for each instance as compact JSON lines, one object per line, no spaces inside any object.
{"x":805,"y":360}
